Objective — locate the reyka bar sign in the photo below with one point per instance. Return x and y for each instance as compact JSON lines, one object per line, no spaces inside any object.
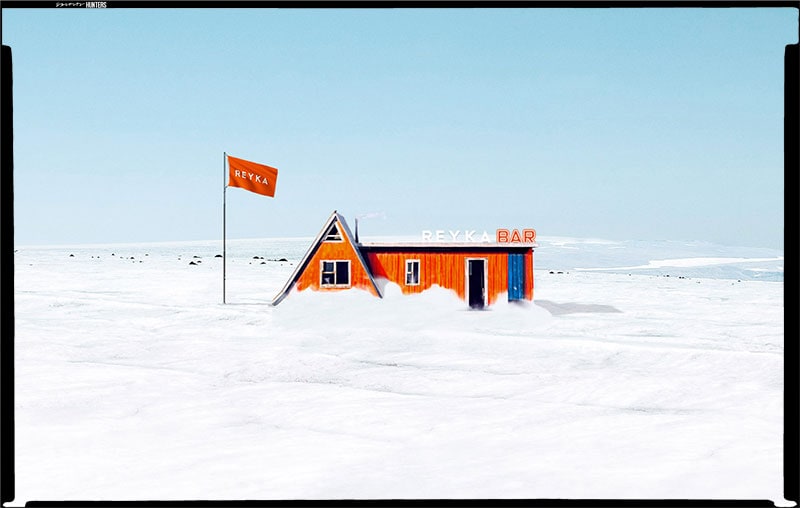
{"x":525,"y":236}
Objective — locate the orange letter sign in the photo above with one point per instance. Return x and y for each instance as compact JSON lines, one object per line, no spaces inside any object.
{"x":528,"y":235}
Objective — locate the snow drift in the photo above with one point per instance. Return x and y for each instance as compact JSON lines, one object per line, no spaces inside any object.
{"x":133,"y":381}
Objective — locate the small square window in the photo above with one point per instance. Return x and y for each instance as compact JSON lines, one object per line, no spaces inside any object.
{"x":335,"y":274}
{"x":412,"y":272}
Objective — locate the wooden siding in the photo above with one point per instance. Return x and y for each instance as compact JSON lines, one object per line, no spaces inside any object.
{"x":334,"y":251}
{"x":529,"y":275}
{"x":448,"y":270}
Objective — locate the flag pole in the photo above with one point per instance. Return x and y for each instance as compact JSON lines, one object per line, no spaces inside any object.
{"x":224,"y":199}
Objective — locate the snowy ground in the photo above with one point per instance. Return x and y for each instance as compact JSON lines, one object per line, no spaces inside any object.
{"x":133,"y":381}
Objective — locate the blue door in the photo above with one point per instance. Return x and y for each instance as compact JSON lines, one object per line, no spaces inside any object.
{"x":516,"y":277}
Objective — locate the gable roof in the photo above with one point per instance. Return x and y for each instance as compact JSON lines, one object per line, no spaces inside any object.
{"x":335,"y":217}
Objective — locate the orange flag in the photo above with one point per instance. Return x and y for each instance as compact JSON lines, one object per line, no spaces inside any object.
{"x":251,"y":176}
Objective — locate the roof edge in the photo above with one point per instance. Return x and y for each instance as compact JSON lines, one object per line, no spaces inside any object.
{"x":303,"y":262}
{"x":334,"y":217}
{"x":439,"y":245}
{"x":357,"y":249}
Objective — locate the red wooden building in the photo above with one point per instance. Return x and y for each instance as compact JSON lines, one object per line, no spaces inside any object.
{"x":478,"y":272}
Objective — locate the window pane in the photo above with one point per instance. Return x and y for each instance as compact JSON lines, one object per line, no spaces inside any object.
{"x":412,"y":272}
{"x":342,"y":272}
{"x":327,"y":266}
{"x":327,"y":279}
{"x":333,"y":233}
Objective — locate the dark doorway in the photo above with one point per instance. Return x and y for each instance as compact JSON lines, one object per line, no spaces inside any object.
{"x":476,"y":272}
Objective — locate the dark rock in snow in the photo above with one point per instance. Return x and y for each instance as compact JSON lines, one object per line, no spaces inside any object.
{"x":72,"y":255}
{"x":263,"y":262}
{"x":218,"y":256}
{"x":196,"y":257}
{"x":192,"y":263}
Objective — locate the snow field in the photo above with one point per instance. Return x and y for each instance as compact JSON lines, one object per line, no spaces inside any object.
{"x":133,"y":381}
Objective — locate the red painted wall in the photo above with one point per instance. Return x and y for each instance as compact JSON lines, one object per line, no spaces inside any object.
{"x":448,"y":270}
{"x":529,"y":275}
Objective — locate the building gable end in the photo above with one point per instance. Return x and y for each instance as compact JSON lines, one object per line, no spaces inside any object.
{"x":335,"y":225}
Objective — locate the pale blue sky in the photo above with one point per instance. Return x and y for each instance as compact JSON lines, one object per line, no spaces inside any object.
{"x":608,"y":123}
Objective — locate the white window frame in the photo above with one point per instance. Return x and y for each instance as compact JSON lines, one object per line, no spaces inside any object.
{"x":340,"y":239}
{"x":334,"y":261}
{"x":419,"y":272}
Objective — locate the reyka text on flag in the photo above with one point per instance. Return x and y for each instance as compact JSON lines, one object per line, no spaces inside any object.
{"x":258,"y":178}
